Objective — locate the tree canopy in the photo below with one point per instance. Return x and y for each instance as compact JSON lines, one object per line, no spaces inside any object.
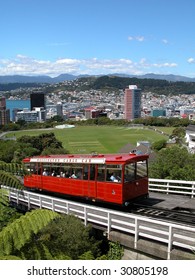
{"x":173,"y":163}
{"x":26,"y":146}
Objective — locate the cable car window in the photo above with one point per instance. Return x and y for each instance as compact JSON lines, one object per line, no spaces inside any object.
{"x":92,"y":172}
{"x":141,"y":169}
{"x":32,"y":168}
{"x":101,"y":173}
{"x":130,"y":171}
{"x":76,"y":171}
{"x":46,"y":169}
{"x":85,"y":171}
{"x":113,"y":173}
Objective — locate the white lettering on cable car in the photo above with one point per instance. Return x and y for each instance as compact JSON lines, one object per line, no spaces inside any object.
{"x":69,"y":160}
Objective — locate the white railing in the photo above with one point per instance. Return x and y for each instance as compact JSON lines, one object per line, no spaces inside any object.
{"x":172,"y":187}
{"x":134,"y":225}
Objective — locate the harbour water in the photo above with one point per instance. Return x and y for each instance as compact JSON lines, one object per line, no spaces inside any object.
{"x":17,"y":104}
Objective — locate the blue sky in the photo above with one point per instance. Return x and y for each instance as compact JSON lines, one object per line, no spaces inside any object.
{"x":51,"y":37}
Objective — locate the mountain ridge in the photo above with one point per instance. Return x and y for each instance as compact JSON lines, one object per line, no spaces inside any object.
{"x":65,"y":77}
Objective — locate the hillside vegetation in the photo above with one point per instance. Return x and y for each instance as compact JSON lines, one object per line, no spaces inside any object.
{"x":153,"y":85}
{"x":157,"y":86}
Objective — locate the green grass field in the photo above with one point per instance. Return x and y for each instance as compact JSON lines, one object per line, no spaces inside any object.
{"x":100,"y":139}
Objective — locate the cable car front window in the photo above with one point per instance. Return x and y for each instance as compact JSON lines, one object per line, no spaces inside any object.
{"x":142,"y":170}
{"x":130,"y":171}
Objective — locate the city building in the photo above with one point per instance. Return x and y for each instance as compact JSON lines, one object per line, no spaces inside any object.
{"x":59,"y":109}
{"x":91,"y":112}
{"x":37,"y":99}
{"x":4,"y":113}
{"x":14,"y":113}
{"x":36,"y":115}
{"x":158,"y":112}
{"x":132,"y":102}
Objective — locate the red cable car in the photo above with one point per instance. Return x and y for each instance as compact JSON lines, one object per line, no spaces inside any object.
{"x":112,"y":178}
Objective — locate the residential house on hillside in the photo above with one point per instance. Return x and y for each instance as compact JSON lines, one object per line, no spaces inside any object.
{"x":141,"y":148}
{"x":190,"y":137}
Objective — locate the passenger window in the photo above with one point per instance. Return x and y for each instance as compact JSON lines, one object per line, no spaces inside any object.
{"x":92,"y":172}
{"x":101,"y":173}
{"x":114,"y":173}
{"x":85,"y":171}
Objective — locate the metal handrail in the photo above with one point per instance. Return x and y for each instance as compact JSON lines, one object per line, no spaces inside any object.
{"x":179,"y":187}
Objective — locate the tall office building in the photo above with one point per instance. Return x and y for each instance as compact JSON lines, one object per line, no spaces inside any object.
{"x":4,"y":113}
{"x":59,"y":109}
{"x":37,"y":99}
{"x":2,"y":102}
{"x":132,"y":102}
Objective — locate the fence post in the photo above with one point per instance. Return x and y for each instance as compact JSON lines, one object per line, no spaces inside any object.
{"x":109,"y":224}
{"x":53,"y":205}
{"x":170,"y":241}
{"x":167,"y":187}
{"x":40,"y":202}
{"x":193,"y":190}
{"x":136,"y":233}
{"x":67,"y":210}
{"x":17,"y":199}
{"x":85,"y":216}
{"x":28,"y":195}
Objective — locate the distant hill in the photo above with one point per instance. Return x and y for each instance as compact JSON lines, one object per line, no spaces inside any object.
{"x":158,"y":86}
{"x":66,"y":77}
{"x":35,"y":79}
{"x":170,"y":77}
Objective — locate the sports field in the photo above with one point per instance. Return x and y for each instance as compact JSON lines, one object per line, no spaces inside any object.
{"x":100,"y":139}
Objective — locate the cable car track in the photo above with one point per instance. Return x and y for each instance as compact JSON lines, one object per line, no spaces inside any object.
{"x":181,"y":216}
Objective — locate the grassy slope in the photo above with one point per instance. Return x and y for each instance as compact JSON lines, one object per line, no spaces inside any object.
{"x":101,"y":139}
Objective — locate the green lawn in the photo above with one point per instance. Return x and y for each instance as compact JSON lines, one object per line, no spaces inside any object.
{"x":101,"y":139}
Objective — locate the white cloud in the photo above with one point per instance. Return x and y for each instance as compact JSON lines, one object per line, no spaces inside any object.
{"x":136,"y":38}
{"x":166,"y":64}
{"x":67,"y":61}
{"x":140,"y":38}
{"x":20,"y":56}
{"x":191,"y":60}
{"x":23,"y":65}
{"x":165,"y":41}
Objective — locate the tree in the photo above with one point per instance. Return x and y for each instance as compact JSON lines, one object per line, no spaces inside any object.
{"x":15,"y":235}
{"x":173,"y":163}
{"x":56,"y":118}
{"x":7,"y":179}
{"x":7,"y":214}
{"x":158,"y":145}
{"x":69,"y":237}
{"x":40,"y":143}
{"x":24,"y":151}
{"x":178,"y":134}
{"x":115,"y":251}
{"x":7,"y":149}
{"x":54,"y":151}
